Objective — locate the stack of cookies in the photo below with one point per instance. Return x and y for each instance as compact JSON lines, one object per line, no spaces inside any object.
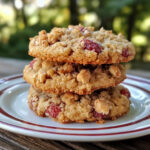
{"x":76,"y":73}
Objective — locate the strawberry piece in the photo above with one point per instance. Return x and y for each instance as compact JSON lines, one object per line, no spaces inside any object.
{"x":53,"y":110}
{"x":32,"y":105}
{"x":125,"y":92}
{"x":100,"y":115}
{"x":82,"y":29}
{"x":32,"y":63}
{"x":92,"y":46}
{"x":125,"y":52}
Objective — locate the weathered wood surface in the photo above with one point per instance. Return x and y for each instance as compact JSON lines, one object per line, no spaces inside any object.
{"x":12,"y":141}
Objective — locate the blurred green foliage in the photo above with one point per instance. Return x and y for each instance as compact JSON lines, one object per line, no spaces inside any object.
{"x":17,"y":45}
{"x":22,"y":19}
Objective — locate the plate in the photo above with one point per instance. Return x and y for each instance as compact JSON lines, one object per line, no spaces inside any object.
{"x":15,"y":116}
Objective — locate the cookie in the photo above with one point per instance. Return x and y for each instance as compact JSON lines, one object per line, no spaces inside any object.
{"x":105,"y":104}
{"x":83,"y":45}
{"x":54,"y":77}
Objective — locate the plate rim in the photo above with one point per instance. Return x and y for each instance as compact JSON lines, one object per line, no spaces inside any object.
{"x":141,"y":133}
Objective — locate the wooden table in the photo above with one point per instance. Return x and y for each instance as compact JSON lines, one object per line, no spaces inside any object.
{"x":11,"y":141}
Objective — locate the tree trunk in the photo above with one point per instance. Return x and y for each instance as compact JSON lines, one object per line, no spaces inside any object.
{"x":73,"y":12}
{"x":23,"y":14}
{"x":106,"y":22}
{"x":100,"y":14}
{"x":131,"y":21}
{"x":16,"y":13}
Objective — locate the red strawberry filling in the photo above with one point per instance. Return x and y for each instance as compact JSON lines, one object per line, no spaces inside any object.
{"x":53,"y":110}
{"x":82,"y":29}
{"x":100,"y":115}
{"x":32,"y":105}
{"x":125,"y":92}
{"x":32,"y":63}
{"x":92,"y":46}
{"x":125,"y":52}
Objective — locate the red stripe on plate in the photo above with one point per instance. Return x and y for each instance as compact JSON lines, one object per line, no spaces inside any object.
{"x":10,"y":78}
{"x":139,"y":80}
{"x":3,"y":90}
{"x":145,"y":90}
{"x":52,"y":127}
{"x":75,"y":134}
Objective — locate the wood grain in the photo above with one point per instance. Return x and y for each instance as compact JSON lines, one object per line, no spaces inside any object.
{"x":25,"y":142}
{"x":12,"y":141}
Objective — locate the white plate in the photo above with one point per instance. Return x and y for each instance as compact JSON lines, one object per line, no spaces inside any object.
{"x":15,"y":115}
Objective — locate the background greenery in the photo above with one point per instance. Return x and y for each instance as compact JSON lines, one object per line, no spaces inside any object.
{"x":21,"y":19}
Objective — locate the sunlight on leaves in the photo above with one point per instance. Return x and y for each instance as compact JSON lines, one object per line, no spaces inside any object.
{"x":91,"y":19}
{"x":146,"y":24}
{"x":139,"y":40}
